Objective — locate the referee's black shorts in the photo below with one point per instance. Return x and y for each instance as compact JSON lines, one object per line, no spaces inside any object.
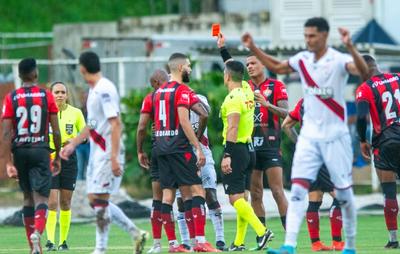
{"x":33,"y":166}
{"x":66,"y":180}
{"x":235,"y":182}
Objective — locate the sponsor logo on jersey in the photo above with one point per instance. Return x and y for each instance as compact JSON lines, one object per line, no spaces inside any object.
{"x":92,"y":124}
{"x":166,"y":133}
{"x":267,"y":92}
{"x":69,"y":128}
{"x":384,"y":81}
{"x":29,"y":95}
{"x":323,"y":92}
{"x":258,"y":141}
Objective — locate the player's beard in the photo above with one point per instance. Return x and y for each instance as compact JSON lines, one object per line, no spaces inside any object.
{"x":185,"y":77}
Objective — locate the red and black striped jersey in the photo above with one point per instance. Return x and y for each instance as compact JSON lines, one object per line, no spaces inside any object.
{"x":382,"y":94}
{"x":147,"y":108}
{"x":169,"y":135}
{"x":267,"y":127}
{"x":298,"y":111}
{"x":30,"y":109}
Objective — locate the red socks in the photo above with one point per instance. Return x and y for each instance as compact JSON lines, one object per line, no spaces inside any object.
{"x":29,"y":222}
{"x":156,"y":221}
{"x":189,"y":218}
{"x":40,"y":217}
{"x":335,"y":217}
{"x":312,"y":217}
{"x":199,"y":215}
{"x":168,"y":221}
{"x":391,"y":210}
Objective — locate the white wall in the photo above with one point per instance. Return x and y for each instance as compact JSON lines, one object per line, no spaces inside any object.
{"x":387,"y":14}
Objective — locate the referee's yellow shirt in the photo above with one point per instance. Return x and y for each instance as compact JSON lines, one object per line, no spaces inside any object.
{"x":240,"y":101}
{"x":71,"y":122}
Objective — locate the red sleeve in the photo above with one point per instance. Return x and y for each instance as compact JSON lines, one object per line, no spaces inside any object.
{"x":51,"y":104}
{"x":8,"y":111}
{"x":147,"y":105}
{"x":193,"y":98}
{"x":295,"y":113}
{"x":183,"y":97}
{"x":364,"y":93}
{"x":280,"y":91}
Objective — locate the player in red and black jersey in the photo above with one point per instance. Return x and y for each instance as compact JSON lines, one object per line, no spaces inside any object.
{"x":27,"y":113}
{"x":271,"y":106}
{"x":178,"y":165}
{"x":379,"y":97}
{"x":158,"y":78}
{"x":322,"y":185}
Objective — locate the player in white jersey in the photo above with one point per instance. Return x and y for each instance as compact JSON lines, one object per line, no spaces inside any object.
{"x":106,"y":159}
{"x":324,"y":137}
{"x":209,"y":182}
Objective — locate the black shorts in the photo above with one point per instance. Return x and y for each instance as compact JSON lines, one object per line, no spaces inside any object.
{"x":235,"y":182}
{"x":33,"y":166}
{"x":67,"y":178}
{"x":178,"y":169}
{"x":266,"y":159}
{"x":387,"y":150}
{"x":323,"y":182}
{"x":250,"y":168}
{"x":154,"y":170}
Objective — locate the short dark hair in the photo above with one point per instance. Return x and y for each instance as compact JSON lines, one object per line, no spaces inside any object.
{"x":55,"y":83}
{"x":235,"y":69}
{"x":319,"y":22}
{"x":177,"y":56}
{"x":90,"y":61}
{"x":26,"y":66}
{"x":369,"y":59}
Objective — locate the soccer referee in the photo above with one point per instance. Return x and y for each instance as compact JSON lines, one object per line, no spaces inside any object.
{"x":237,"y":112}
{"x":71,"y":122}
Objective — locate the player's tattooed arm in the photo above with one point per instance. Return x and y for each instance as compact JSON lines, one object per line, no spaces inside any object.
{"x":280,"y":110}
{"x":201,"y":111}
{"x":359,"y":66}
{"x":272,"y":63}
{"x":5,"y":148}
{"x":140,"y":137}
{"x":288,"y":127}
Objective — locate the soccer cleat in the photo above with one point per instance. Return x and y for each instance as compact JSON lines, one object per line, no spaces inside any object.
{"x":35,"y":240}
{"x":178,"y":248}
{"x":50,"y":246}
{"x":337,"y":245}
{"x":348,"y":251}
{"x":234,"y":247}
{"x":63,"y":246}
{"x":285,"y":249}
{"x":319,"y":246}
{"x":155,"y":249}
{"x":205,"y":247}
{"x":221,"y":246}
{"x":140,"y":241}
{"x":392,"y":245}
{"x":264,"y":239}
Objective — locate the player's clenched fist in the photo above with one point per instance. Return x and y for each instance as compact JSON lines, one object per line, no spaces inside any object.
{"x":247,"y":40}
{"x":201,"y":159}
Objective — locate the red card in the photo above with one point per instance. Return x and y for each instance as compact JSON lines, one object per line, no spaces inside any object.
{"x":215,"y":29}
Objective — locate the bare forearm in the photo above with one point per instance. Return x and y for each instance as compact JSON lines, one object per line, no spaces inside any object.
{"x":281,"y":112}
{"x":115,"y":139}
{"x":359,"y":62}
{"x":202,"y":126}
{"x":6,"y":146}
{"x":291,"y":133}
{"x":189,"y":132}
{"x":231,"y":134}
{"x":83,"y":135}
{"x":140,"y":136}
{"x":268,"y":61}
{"x":57,"y":142}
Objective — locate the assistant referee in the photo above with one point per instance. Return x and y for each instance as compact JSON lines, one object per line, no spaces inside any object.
{"x":237,"y":112}
{"x":71,"y":122}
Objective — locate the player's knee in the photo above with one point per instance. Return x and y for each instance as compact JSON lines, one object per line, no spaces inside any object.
{"x":389,"y":190}
{"x":102,"y":214}
{"x":298,"y":192}
{"x":344,"y":197}
{"x":65,"y":204}
{"x":256,"y":194}
{"x":277,"y":192}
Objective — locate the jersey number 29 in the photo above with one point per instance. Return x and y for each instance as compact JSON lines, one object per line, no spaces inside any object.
{"x":35,"y":118}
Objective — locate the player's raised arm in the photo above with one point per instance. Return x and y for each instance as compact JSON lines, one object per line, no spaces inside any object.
{"x":272,"y":64}
{"x":359,"y":66}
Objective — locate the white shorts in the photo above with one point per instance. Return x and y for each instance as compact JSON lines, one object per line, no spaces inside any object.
{"x":208,"y":178}
{"x":100,"y":179}
{"x":337,"y":155}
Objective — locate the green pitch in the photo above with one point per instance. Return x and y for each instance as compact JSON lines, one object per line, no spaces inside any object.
{"x":371,"y":237}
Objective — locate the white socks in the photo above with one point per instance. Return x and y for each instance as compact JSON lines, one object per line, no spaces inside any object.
{"x":218,"y":222}
{"x":102,"y":227}
{"x":349,"y":216}
{"x":183,"y":230}
{"x":119,"y":218}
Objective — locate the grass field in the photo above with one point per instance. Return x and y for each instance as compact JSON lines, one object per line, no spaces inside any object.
{"x":371,"y":237}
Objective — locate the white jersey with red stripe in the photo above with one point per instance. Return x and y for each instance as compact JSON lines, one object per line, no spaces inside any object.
{"x":102,"y":104}
{"x":194,"y":119}
{"x":323,"y":84}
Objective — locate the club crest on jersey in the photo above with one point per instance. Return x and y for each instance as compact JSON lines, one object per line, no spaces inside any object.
{"x":92,"y":124}
{"x":69,"y":128}
{"x":267,"y":92}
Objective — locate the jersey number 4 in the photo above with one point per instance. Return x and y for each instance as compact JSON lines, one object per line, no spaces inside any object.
{"x":35,"y":118}
{"x":162,"y":114}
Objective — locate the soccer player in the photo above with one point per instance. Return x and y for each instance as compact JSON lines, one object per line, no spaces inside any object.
{"x":271,"y":105}
{"x":158,"y":78}
{"x":317,"y":189}
{"x":27,"y":112}
{"x":324,"y":137}
{"x":106,"y":159}
{"x":237,"y":112}
{"x":209,"y":182}
{"x":71,"y":122}
{"x":379,"y":97}
{"x":178,"y":164}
